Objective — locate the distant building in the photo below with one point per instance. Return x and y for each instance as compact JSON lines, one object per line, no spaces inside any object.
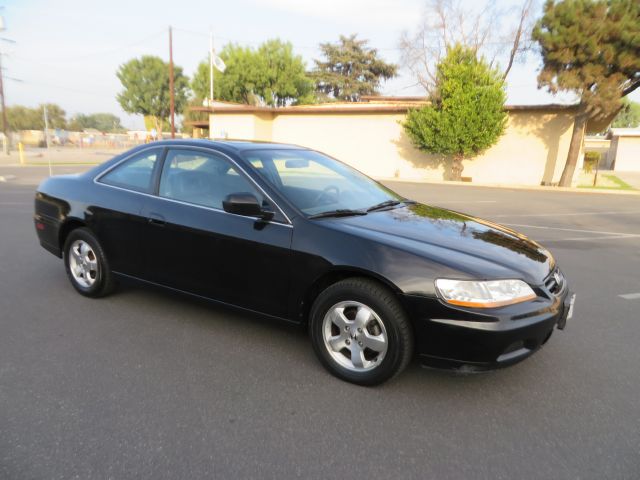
{"x":369,"y":136}
{"x":624,"y":152}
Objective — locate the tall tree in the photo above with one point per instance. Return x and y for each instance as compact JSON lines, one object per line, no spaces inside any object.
{"x":25,"y":118}
{"x":503,"y":36}
{"x":466,"y":113}
{"x":285,"y":79}
{"x":271,"y":75}
{"x":56,"y":116}
{"x":146,"y":88}
{"x":105,"y":122}
{"x":239,"y":81}
{"x":350,"y":69}
{"x":628,"y":116}
{"x":592,"y":48}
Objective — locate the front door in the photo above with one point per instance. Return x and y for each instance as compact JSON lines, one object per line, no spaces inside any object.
{"x":198,"y":247}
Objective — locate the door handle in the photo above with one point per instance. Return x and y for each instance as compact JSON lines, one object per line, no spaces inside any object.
{"x":156,"y":219}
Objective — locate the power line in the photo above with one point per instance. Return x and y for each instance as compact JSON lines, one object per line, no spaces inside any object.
{"x":156,"y":34}
{"x":234,"y":40}
{"x":66,"y":68}
{"x":59,"y":87}
{"x":316,"y":47}
{"x":106,"y":51}
{"x":162,"y":33}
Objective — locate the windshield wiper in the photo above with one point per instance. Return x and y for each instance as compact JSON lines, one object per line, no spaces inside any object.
{"x":342,"y":212}
{"x":385,"y":204}
{"x":391,"y":203}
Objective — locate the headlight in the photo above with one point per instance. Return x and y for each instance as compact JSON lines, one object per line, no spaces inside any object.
{"x":489,"y":294}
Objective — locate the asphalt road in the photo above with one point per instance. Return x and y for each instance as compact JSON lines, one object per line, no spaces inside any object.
{"x":149,"y":384}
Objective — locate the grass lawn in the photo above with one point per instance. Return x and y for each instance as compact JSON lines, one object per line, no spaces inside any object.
{"x":607,"y":181}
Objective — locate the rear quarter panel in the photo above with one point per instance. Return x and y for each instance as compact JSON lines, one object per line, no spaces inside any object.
{"x":109,"y":212}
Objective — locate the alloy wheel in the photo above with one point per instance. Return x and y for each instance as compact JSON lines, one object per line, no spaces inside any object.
{"x":83,"y":263}
{"x":355,"y":336}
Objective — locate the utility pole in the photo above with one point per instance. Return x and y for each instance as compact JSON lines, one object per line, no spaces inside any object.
{"x":171,"y":93}
{"x":4,"y":111}
{"x":211,"y":69}
{"x":46,"y":135}
{"x":46,"y":125}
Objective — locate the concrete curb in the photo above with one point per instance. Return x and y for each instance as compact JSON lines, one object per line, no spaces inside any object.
{"x":588,"y":191}
{"x":29,"y":166}
{"x":54,"y":164}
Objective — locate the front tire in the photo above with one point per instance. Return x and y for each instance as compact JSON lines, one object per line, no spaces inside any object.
{"x":86,"y":264}
{"x":360,"y":332}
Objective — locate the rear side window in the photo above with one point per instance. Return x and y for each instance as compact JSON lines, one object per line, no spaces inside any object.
{"x":201,"y":178}
{"x":134,"y":174}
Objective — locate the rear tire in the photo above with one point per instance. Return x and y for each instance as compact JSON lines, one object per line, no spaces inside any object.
{"x":360,"y":332}
{"x":86,"y":264}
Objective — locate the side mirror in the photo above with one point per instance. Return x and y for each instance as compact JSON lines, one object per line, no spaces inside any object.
{"x":245,"y":204}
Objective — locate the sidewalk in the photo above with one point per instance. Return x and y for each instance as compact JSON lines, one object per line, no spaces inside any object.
{"x":538,"y":188}
{"x":632,"y":178}
{"x":59,"y":156}
{"x":63,"y":160}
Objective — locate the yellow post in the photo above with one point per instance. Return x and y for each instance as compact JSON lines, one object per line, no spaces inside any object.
{"x":21,"y":153}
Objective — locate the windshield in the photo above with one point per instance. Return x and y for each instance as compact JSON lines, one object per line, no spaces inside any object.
{"x":318,"y":184}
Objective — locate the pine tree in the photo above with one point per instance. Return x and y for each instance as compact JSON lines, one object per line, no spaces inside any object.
{"x":350,"y":70}
{"x":592,"y":48}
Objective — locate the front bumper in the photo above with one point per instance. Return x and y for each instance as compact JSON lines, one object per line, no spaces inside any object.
{"x":451,"y":337}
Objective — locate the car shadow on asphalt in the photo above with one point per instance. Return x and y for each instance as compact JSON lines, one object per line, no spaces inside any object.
{"x":209,"y":315}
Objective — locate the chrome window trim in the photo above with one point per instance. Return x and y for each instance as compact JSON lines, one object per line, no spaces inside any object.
{"x":195,"y":205}
{"x":128,"y":157}
{"x":204,"y":149}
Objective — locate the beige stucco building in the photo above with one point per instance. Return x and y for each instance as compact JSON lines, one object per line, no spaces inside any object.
{"x":624,"y":153}
{"x":369,"y":136}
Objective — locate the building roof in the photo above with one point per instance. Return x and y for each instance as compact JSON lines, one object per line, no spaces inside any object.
{"x":230,"y":144}
{"x":381,"y":98}
{"x":367,"y":104}
{"x":623,"y":132}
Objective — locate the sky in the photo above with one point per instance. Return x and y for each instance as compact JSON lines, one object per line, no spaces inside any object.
{"x":67,"y":51}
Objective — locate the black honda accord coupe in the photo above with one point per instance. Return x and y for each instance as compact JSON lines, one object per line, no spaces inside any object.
{"x":294,"y":234}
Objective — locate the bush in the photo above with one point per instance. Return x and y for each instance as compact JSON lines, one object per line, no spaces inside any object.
{"x":466,"y":113}
{"x":591,"y":161}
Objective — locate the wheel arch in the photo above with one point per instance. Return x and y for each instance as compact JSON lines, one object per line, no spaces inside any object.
{"x":332,"y":276}
{"x":66,"y":228}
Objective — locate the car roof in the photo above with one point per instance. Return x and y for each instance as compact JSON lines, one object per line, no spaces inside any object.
{"x":236,"y":145}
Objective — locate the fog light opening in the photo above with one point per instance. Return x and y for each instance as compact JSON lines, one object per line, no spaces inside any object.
{"x":513,"y":347}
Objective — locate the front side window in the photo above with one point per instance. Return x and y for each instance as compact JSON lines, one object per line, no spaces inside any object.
{"x":315,"y":183}
{"x":135,"y":173}
{"x":201,"y":178}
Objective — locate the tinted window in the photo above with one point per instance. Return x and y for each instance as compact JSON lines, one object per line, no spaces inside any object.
{"x":201,"y":178}
{"x":134,"y":174}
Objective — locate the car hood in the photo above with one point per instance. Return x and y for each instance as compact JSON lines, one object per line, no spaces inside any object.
{"x":469,"y":244}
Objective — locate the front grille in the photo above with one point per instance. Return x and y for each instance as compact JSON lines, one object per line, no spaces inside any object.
{"x":554,"y":282}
